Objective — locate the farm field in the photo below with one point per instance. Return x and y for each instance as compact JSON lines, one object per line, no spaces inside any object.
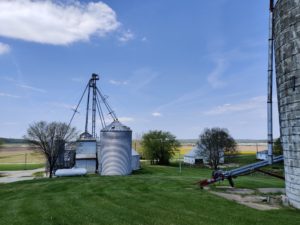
{"x":153,"y":195}
{"x":243,"y":148}
{"x":19,"y":153}
{"x":20,"y":157}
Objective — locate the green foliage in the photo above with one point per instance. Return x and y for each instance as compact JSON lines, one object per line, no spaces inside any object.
{"x":277,"y":147}
{"x":1,"y":143}
{"x":215,"y":142}
{"x":159,"y":146}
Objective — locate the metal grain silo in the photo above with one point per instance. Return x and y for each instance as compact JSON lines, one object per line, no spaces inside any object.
{"x":115,"y":150}
{"x":287,"y":58}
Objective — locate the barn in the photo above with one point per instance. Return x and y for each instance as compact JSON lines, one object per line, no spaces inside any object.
{"x":195,"y":157}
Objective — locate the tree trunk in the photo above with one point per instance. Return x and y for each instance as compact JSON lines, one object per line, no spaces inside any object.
{"x":50,"y":171}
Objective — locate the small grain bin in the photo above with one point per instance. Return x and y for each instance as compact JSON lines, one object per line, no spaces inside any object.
{"x":135,"y":160}
{"x":86,"y":153}
{"x":115,"y":150}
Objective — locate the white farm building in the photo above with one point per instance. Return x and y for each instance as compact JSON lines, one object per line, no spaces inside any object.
{"x":195,"y":156}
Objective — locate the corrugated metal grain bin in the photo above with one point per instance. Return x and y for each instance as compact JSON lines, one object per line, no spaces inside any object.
{"x":287,"y":57}
{"x":135,"y":160}
{"x":86,"y":153}
{"x":115,"y":150}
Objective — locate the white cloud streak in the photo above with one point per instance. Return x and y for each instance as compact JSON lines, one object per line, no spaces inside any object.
{"x":8,"y":95}
{"x":53,"y":22}
{"x":255,"y":103}
{"x":214,"y":78}
{"x":156,"y":114}
{"x":27,"y":87}
{"x":4,"y":48}
{"x":116,"y":82}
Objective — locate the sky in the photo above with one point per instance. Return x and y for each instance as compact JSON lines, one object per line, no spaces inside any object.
{"x":172,"y":65}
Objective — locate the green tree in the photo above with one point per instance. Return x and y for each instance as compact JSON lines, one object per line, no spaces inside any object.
{"x":278,"y":147}
{"x":159,"y":146}
{"x":213,"y":143}
{"x":48,"y":137}
{"x":1,"y":143}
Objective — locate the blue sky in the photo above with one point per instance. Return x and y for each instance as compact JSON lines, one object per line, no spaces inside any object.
{"x":173,"y":65}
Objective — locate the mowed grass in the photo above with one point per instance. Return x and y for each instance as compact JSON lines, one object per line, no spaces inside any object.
{"x":153,"y":195}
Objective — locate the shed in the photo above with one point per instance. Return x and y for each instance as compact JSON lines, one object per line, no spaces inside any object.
{"x":262,"y":155}
{"x":194,"y":156}
{"x":135,"y":160}
{"x":86,"y":153}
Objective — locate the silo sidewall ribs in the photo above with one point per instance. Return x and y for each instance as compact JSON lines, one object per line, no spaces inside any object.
{"x":287,"y":58}
{"x":115,"y":152}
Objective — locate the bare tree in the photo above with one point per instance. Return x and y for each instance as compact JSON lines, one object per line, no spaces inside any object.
{"x":48,"y":137}
{"x":213,"y":143}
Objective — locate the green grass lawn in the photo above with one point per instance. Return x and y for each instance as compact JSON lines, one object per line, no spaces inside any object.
{"x":153,"y":195}
{"x":11,"y":167}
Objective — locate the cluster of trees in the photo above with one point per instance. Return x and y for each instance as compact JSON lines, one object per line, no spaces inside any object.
{"x":159,"y":146}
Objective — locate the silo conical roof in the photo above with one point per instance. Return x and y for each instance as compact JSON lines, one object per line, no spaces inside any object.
{"x":115,"y":126}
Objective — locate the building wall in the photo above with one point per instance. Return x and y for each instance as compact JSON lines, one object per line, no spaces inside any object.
{"x":287,"y":58}
{"x":88,"y":164}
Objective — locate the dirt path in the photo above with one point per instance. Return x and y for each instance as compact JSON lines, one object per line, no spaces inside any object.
{"x":14,"y":176}
{"x":252,"y":201}
{"x":261,"y":198}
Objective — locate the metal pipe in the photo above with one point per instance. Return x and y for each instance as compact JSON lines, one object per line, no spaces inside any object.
{"x":87,"y":109}
{"x":76,"y":109}
{"x":270,"y":85}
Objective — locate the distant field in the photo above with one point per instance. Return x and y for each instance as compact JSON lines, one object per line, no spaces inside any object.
{"x":243,"y":148}
{"x":19,"y":153}
{"x":251,"y":148}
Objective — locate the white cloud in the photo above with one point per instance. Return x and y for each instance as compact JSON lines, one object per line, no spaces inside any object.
{"x":4,"y":48}
{"x":156,"y":114}
{"x":144,"y":39}
{"x":142,"y":78}
{"x":8,"y":95}
{"x":255,"y":103}
{"x":53,"y":22}
{"x":116,"y":82}
{"x":214,"y":77}
{"x":126,"y":36}
{"x":24,"y":86}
